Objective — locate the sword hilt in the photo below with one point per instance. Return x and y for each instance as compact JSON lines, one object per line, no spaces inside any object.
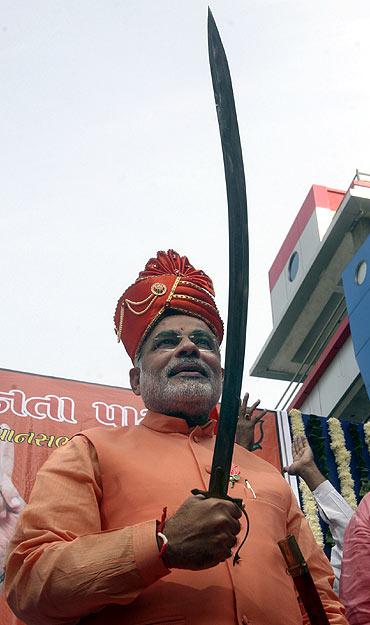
{"x":218,"y":493}
{"x":207,"y":495}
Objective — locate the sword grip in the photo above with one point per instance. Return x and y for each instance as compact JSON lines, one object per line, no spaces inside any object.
{"x":236,"y":500}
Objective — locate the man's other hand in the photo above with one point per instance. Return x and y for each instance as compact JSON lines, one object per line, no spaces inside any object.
{"x":201,"y":533}
{"x":247,"y":422}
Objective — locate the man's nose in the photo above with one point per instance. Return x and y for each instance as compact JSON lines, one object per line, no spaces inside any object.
{"x":187,"y":347}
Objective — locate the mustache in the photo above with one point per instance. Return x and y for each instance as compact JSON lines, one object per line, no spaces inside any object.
{"x":188,"y":364}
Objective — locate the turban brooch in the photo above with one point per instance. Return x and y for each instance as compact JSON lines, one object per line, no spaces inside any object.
{"x":168,"y":283}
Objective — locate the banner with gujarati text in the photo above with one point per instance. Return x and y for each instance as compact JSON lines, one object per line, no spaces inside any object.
{"x":38,"y":414}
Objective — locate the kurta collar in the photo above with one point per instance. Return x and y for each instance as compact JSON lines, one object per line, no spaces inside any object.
{"x":175,"y":425}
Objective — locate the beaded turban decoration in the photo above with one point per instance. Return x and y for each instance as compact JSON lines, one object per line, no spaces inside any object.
{"x":168,"y":283}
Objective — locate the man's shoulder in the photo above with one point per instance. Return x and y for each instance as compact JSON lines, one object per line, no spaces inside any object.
{"x":364,"y":507}
{"x":361,"y":518}
{"x":109,"y":433}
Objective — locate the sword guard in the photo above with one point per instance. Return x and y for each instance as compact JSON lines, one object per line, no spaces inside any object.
{"x":206,"y":494}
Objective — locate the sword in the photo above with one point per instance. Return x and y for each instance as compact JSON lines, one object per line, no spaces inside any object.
{"x":238,"y":265}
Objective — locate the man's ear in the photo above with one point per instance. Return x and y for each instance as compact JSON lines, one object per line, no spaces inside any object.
{"x":135,"y":380}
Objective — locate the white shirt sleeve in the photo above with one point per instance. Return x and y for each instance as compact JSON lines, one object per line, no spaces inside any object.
{"x":336,"y":512}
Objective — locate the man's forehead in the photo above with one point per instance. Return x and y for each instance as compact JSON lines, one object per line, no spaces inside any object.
{"x":180,"y":323}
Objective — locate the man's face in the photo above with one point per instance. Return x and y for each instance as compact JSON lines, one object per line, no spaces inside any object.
{"x":179,"y":371}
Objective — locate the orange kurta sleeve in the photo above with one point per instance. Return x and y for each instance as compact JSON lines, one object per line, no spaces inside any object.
{"x":61,"y":565}
{"x":318,"y":565}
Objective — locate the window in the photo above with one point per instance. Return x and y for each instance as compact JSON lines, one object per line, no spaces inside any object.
{"x":293,"y":266}
{"x":361,"y":272}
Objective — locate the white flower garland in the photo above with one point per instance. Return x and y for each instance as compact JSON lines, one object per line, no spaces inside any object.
{"x":309,"y":504}
{"x":367,"y":434}
{"x":342,"y":459}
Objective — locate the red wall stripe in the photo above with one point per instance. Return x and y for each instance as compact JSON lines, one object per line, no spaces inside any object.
{"x":317,"y":196}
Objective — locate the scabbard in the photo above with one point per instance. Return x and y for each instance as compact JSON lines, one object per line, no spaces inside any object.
{"x":302,"y":578}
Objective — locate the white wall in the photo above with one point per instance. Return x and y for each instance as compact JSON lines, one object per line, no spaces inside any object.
{"x":334,"y":383}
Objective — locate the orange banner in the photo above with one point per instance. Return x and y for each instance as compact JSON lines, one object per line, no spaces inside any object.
{"x":39,"y":414}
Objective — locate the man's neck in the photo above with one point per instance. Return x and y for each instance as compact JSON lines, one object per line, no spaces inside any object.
{"x":192,"y":421}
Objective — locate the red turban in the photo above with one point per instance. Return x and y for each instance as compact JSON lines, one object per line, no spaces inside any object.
{"x":168,"y":282}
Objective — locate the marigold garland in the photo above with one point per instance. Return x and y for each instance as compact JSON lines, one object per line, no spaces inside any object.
{"x":367,"y":434}
{"x":309,"y":504}
{"x":297,"y":422}
{"x":342,"y":459}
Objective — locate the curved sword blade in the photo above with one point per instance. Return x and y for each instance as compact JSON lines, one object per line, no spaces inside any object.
{"x":238,"y":262}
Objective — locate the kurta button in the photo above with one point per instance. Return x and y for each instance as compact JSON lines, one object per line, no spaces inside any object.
{"x":208,"y":468}
{"x":245,"y":620}
{"x":195,"y":439}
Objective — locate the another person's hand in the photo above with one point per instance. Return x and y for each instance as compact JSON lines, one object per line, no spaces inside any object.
{"x":302,"y":456}
{"x":201,"y":533}
{"x":304,"y":464}
{"x":247,"y":422}
{"x":11,"y":503}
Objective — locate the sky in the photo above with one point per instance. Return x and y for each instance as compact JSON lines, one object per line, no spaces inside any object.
{"x":110,"y":151}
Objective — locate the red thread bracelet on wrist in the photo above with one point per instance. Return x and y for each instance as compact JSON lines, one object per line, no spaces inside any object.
{"x":160,"y":527}
{"x":160,"y":524}
{"x":164,"y":540}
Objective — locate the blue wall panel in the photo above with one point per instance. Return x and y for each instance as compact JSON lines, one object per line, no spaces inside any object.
{"x":363,"y":360}
{"x":353,"y":291}
{"x":358,"y":307}
{"x":360,"y":322}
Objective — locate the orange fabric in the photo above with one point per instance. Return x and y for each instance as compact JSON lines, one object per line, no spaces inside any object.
{"x":87,"y":539}
{"x":168,"y":281}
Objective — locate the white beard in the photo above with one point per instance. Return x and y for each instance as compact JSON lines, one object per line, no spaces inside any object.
{"x":192,"y":397}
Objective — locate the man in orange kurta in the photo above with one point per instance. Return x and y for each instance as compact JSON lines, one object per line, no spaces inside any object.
{"x":91,"y":546}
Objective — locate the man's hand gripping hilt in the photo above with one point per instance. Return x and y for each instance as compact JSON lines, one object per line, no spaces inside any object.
{"x":217,"y":493}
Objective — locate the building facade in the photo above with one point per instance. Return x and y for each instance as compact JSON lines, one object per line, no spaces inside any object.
{"x":320,"y":300}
